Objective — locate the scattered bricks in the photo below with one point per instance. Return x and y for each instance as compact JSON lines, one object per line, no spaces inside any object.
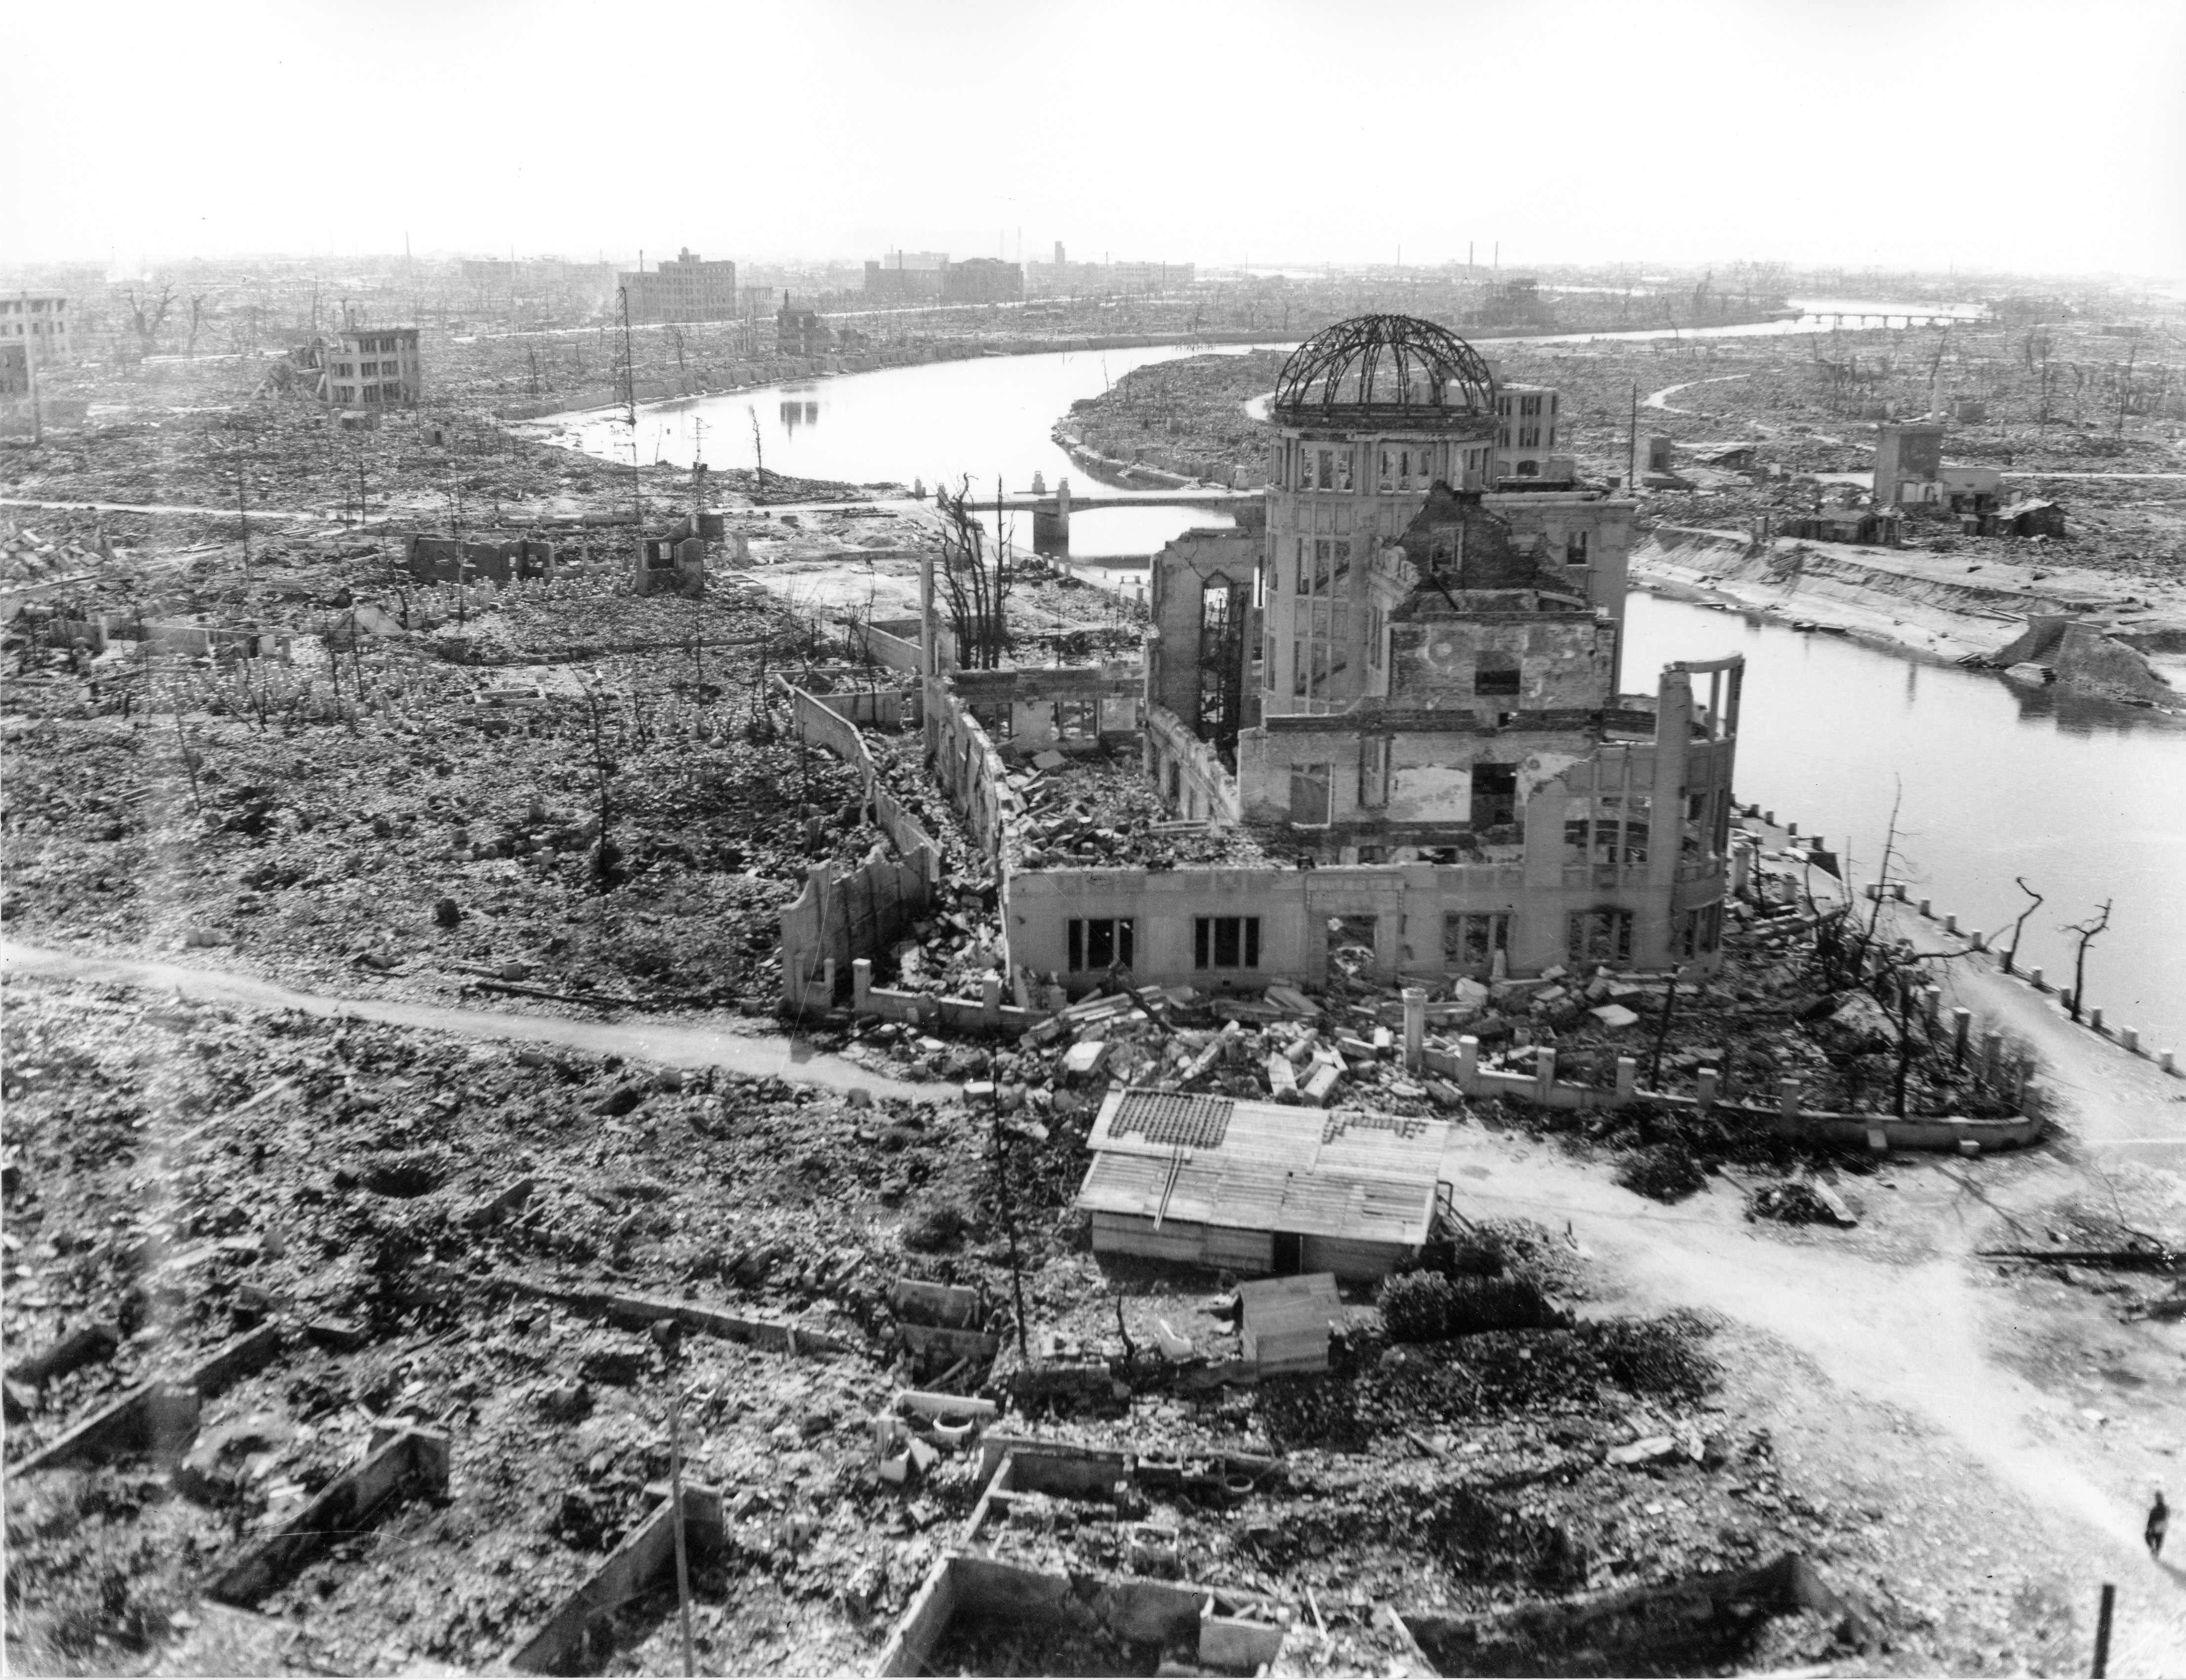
{"x":1282,"y":1078}
{"x":80,"y":1347}
{"x":1318,"y":1088}
{"x":495,"y":1208}
{"x":1614,"y":1016}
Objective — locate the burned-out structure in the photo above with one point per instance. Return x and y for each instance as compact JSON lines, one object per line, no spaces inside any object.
{"x":1390,"y":722}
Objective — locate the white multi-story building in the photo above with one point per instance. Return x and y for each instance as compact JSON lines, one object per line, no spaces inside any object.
{"x":372,"y":367}
{"x":33,"y":325}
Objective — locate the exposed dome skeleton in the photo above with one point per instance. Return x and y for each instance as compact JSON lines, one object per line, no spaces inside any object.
{"x":1384,"y":362}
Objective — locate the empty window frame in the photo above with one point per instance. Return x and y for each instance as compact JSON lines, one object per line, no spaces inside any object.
{"x":1374,"y":756}
{"x":1077,"y":719}
{"x":1600,"y":936}
{"x":1699,"y":931}
{"x":1309,"y":800}
{"x":1470,"y":939}
{"x":1575,"y":552}
{"x":1225,"y":941}
{"x":1494,"y":673}
{"x":1099,"y":943}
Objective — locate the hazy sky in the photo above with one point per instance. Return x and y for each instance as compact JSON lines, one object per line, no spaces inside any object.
{"x":1899,"y":133}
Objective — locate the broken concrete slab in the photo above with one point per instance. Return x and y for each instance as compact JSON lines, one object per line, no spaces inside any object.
{"x":628,"y":1572}
{"x":158,"y":1413}
{"x":414,"y":1462}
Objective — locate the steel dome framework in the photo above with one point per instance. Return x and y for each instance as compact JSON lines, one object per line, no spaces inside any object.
{"x":1381,"y":361}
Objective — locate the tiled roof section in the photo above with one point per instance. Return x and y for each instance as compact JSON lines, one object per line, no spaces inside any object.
{"x":1162,"y":1118}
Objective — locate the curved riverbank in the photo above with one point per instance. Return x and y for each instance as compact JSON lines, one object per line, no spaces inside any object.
{"x":1905,"y":601}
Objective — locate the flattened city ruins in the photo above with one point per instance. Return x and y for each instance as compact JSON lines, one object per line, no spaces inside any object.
{"x":681,"y":997}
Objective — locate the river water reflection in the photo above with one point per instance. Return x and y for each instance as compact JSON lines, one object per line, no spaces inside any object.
{"x":2086,"y":800}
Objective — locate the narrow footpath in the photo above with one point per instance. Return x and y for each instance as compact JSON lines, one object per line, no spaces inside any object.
{"x":681,"y":1043}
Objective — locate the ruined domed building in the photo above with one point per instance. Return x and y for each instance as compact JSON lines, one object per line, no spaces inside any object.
{"x":1389,"y":721}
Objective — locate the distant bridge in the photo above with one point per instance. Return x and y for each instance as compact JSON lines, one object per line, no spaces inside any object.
{"x":1839,"y":316}
{"x":1051,"y":510}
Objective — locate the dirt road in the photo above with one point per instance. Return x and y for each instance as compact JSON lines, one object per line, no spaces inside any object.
{"x":682,"y":1044}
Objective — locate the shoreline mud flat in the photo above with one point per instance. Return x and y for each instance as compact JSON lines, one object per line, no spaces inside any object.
{"x":1927,"y":606}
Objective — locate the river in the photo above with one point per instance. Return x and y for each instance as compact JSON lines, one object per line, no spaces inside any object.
{"x":2086,"y":801}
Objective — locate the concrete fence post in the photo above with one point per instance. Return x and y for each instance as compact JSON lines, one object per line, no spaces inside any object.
{"x":1925,"y":909}
{"x":1898,"y":891}
{"x":862,"y":986}
{"x":990,"y":999}
{"x":1545,"y":1076}
{"x":1978,"y":939}
{"x":2095,"y":1019}
{"x":1416,"y":1026}
{"x":1961,"y":1025}
{"x":2034,"y":979}
{"x":1787,"y":1100}
{"x":1628,"y":1077}
{"x":2167,"y":1060}
{"x":827,"y":979}
{"x":1991,"y":1057}
{"x":2130,"y":1038}
{"x":1468,"y":1063}
{"x":1951,"y":923}
{"x":2019,"y":1086}
{"x":1932,"y":1009}
{"x":1706,"y":1095}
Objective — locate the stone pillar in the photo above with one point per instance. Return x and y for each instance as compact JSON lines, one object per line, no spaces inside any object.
{"x":990,"y":999}
{"x":1962,"y":1024}
{"x":862,"y":986}
{"x":1545,"y":1076}
{"x":1628,"y":1077}
{"x":1416,"y":1026}
{"x":1707,"y":1085}
{"x":1468,"y":1063}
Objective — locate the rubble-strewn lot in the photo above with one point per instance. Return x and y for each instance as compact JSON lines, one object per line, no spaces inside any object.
{"x":178,"y":1171}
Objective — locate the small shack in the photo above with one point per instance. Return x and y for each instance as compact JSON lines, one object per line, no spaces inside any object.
{"x":2032,"y":517}
{"x":1260,"y":1189}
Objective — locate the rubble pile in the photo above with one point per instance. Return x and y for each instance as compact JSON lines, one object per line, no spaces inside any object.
{"x":1095,"y":812}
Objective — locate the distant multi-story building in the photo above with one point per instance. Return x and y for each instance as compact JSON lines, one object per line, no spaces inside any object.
{"x":687,"y":289}
{"x":906,"y":277}
{"x":31,"y":323}
{"x":1528,"y":427}
{"x":980,"y":280}
{"x":372,"y":367}
{"x":1097,"y":279}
